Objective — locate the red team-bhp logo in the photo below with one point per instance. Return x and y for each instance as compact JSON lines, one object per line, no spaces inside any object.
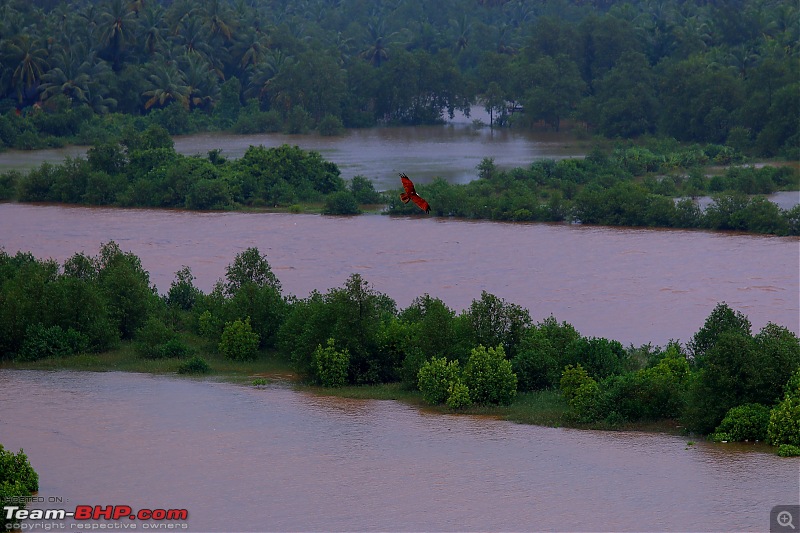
{"x":98,"y":517}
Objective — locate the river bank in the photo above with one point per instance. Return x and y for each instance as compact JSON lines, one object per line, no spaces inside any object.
{"x":546,"y":408}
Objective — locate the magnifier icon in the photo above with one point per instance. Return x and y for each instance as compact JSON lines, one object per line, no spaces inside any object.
{"x":785,"y":519}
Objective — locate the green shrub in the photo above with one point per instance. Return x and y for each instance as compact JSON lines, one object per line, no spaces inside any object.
{"x":18,"y":479}
{"x":330,"y":125}
{"x":195,"y":365}
{"x":572,"y":378}
{"x":151,"y":338}
{"x":784,"y":419}
{"x":746,"y":422}
{"x":341,"y":203}
{"x":435,"y":378}
{"x":331,"y":365}
{"x":458,"y":395}
{"x":489,"y":376}
{"x":587,"y":403}
{"x":788,"y":450}
{"x":41,"y":342}
{"x":175,"y":348}
{"x":239,"y":342}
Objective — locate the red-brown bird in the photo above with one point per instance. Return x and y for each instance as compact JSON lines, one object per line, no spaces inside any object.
{"x":411,"y":194}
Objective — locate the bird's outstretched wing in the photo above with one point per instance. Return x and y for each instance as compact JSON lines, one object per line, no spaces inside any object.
{"x":411,"y":194}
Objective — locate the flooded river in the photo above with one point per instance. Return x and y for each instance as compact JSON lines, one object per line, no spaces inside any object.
{"x":632,"y":285}
{"x":240,"y":458}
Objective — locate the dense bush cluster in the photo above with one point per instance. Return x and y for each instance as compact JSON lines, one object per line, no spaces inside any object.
{"x":697,"y":72}
{"x":726,"y":380}
{"x":18,"y":480}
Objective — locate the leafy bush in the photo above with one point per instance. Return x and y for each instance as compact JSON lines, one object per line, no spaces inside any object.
{"x":458,"y":395}
{"x":331,"y":365}
{"x":239,"y":342}
{"x":341,"y":203}
{"x":489,"y":376}
{"x":540,"y":357}
{"x":587,"y":403}
{"x":18,"y":479}
{"x":435,"y":379}
{"x":42,"y":342}
{"x":784,"y":419}
{"x":364,"y":190}
{"x":600,"y":357}
{"x":152,"y":337}
{"x":743,"y":423}
{"x":330,"y":125}
{"x":195,"y":365}
{"x":788,"y":450}
{"x":572,"y":378}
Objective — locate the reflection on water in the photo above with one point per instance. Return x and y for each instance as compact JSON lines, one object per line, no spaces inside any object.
{"x":246,"y":459}
{"x":633,"y":285}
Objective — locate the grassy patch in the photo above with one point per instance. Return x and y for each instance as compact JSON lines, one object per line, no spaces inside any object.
{"x":125,"y":359}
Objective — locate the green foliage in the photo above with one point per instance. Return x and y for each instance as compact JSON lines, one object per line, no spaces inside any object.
{"x":784,"y":419}
{"x":599,"y":356}
{"x":194,"y":365}
{"x":739,"y":368}
{"x":364,"y":191}
{"x":746,"y":422}
{"x":330,"y":125}
{"x":541,"y":356}
{"x":436,"y":378}
{"x":182,"y":292}
{"x":721,"y":319}
{"x":489,"y":376}
{"x":788,"y":450}
{"x":249,"y":266}
{"x":458,"y":395}
{"x":42,"y":342}
{"x":573,"y":378}
{"x":18,"y":479}
{"x":354,"y":316}
{"x":239,"y":342}
{"x":496,"y":322}
{"x":331,"y":365}
{"x":341,"y":203}
{"x":587,"y":404}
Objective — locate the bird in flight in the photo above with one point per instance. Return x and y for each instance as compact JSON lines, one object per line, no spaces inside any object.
{"x":411,"y":194}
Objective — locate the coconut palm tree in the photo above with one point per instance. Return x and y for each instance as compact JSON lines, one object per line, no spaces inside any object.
{"x":24,"y":64}
{"x":168,"y":84}
{"x":152,"y":29}
{"x":375,"y":52}
{"x":118,"y":28}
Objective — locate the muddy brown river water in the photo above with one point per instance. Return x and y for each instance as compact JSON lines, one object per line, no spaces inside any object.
{"x":241,"y":458}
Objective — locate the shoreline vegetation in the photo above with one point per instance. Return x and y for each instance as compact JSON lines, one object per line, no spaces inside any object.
{"x":654,"y":183}
{"x":101,"y":313}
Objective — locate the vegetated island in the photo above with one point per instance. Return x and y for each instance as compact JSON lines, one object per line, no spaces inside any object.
{"x":655,"y":184}
{"x":101,"y":313}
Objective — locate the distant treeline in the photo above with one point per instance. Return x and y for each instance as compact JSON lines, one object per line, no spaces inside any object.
{"x":710,"y":72}
{"x":725,"y":378}
{"x":631,"y":185}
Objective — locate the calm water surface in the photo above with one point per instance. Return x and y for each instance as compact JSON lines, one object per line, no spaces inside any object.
{"x":271,"y":459}
{"x":424,"y":152}
{"x":632,"y":285}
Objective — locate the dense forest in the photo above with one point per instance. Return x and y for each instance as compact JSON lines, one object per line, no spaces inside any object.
{"x":723,"y":72}
{"x":725,"y":380}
